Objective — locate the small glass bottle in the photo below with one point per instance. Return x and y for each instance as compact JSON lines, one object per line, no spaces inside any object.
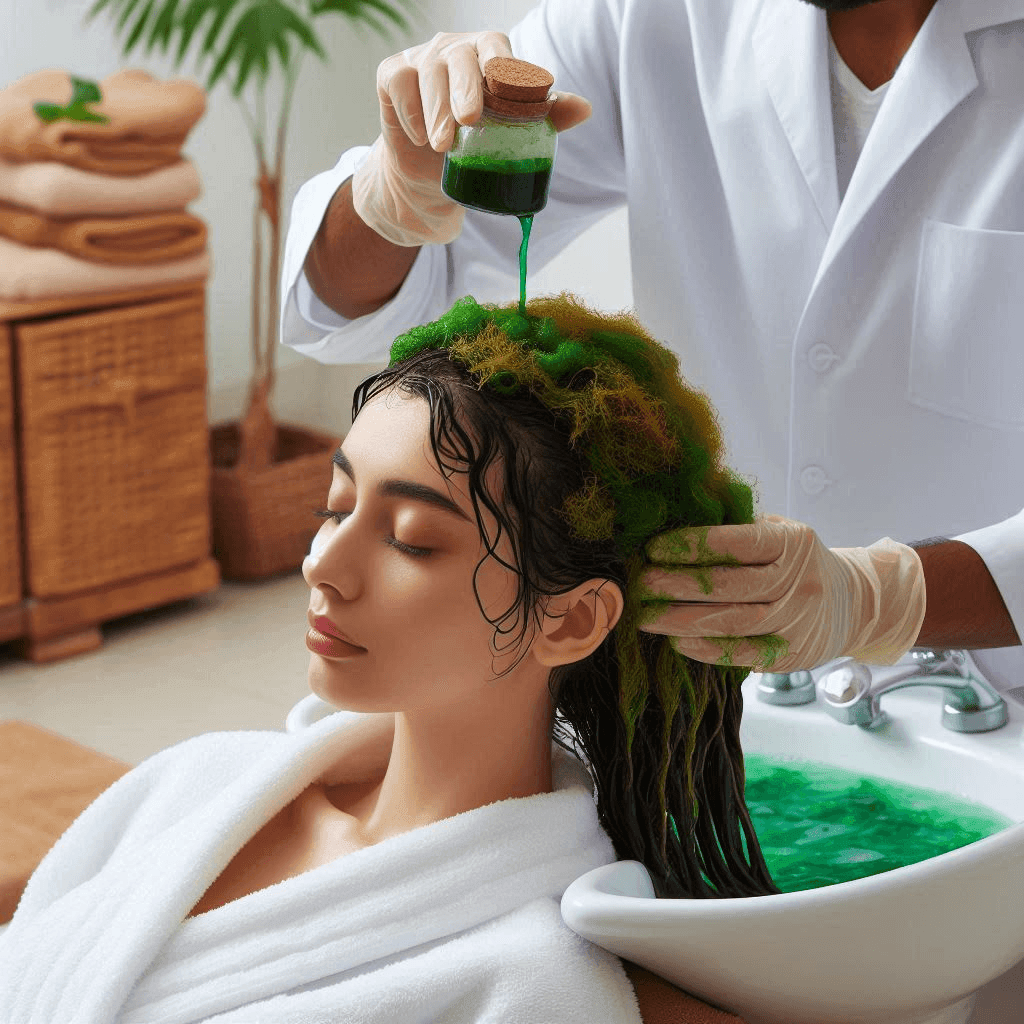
{"x":502,"y":163}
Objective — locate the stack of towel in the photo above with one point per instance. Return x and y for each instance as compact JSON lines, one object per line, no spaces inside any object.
{"x":92,"y":206}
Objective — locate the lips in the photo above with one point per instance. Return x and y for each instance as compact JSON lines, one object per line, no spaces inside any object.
{"x":328,"y":628}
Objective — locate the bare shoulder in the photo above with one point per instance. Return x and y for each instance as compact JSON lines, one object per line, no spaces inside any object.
{"x":662,"y":1003}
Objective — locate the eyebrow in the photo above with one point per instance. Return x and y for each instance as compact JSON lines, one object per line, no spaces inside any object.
{"x":393,"y":488}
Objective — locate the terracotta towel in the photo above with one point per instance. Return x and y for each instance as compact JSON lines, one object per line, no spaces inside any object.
{"x":46,"y":781}
{"x":122,"y":241}
{"x":61,"y":191}
{"x":30,"y":275}
{"x":148,"y":122}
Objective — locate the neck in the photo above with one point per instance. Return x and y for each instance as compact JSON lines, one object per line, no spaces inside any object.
{"x":873,"y":39}
{"x":446,"y":761}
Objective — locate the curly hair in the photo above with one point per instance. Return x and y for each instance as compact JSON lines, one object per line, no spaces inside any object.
{"x":603,"y":446}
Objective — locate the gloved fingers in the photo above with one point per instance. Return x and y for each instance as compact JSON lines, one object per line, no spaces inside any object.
{"x":401,"y":107}
{"x":448,"y":85}
{"x":569,"y":110}
{"x":704,"y":620}
{"x":703,"y":584}
{"x":760,"y":653}
{"x":757,"y":543}
{"x":487,"y":45}
{"x":437,"y":114}
{"x":465,"y":78}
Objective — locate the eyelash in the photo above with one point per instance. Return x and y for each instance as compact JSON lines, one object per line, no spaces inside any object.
{"x":326,"y":513}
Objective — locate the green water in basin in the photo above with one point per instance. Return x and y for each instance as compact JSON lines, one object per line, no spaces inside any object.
{"x":819,"y":825}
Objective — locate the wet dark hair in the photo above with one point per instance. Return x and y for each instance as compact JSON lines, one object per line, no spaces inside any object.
{"x":636,"y":772}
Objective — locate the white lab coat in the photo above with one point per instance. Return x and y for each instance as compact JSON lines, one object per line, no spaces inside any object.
{"x":866,"y":358}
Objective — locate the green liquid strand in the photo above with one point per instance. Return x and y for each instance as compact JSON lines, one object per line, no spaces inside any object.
{"x":819,"y":825}
{"x":527,"y":223}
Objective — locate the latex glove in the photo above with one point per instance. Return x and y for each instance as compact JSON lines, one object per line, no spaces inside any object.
{"x":775,"y":576}
{"x":423,"y":91}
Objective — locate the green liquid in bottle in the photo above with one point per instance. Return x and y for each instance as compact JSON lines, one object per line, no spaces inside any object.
{"x":516,"y":187}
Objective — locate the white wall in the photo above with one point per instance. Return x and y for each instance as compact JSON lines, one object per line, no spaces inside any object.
{"x":334,"y":107}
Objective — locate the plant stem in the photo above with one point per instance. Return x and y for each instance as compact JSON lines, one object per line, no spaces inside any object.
{"x":277,"y":180}
{"x":268,"y":202}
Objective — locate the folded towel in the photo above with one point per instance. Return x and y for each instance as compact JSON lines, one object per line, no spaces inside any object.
{"x":61,"y":191}
{"x":31,"y":275}
{"x":148,"y":121}
{"x":122,"y":241}
{"x":457,"y":921}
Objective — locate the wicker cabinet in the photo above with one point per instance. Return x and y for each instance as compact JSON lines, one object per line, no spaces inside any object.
{"x":113,"y":468}
{"x":10,"y":547}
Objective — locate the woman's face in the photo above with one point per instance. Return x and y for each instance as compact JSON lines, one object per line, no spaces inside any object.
{"x":416,"y":614}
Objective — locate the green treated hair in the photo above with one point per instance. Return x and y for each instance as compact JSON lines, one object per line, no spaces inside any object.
{"x":650,"y":452}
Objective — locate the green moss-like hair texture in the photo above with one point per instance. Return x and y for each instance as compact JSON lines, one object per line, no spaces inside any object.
{"x":654,"y":448}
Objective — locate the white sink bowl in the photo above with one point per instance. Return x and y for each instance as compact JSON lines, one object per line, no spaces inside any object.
{"x":907,"y":946}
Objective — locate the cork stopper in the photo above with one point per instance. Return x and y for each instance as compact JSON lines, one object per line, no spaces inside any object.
{"x":517,"y":87}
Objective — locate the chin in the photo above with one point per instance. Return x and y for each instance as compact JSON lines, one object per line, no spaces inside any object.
{"x":341,"y":701}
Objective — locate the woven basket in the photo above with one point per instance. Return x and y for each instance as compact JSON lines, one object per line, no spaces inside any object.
{"x":263,"y":523}
{"x":116,"y":456}
{"x":10,"y":538}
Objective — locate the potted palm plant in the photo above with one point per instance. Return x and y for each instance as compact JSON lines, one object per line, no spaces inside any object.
{"x":265,"y":477}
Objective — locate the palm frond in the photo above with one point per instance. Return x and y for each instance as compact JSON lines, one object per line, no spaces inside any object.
{"x":247,"y":43}
{"x":126,"y":12}
{"x":194,"y":14}
{"x":264,"y":27}
{"x":125,"y":6}
{"x":140,"y":26}
{"x":356,"y":10}
{"x":163,"y":27}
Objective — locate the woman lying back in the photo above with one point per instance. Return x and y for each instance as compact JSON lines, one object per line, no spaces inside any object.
{"x":476,"y":590}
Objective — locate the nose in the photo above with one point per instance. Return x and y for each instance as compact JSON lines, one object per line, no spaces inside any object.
{"x":330,"y":560}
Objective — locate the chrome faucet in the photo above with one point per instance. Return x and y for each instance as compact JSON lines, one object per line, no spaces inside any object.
{"x":786,"y":688}
{"x":971,"y":703}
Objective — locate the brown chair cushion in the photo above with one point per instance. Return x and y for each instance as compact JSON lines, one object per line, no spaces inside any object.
{"x":661,"y":1002}
{"x":46,"y":781}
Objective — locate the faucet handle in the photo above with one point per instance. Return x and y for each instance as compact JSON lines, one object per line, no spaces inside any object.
{"x":786,"y":688}
{"x":847,"y":681}
{"x":948,"y":659}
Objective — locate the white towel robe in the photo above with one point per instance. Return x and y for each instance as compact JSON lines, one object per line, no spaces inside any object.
{"x":457,"y":921}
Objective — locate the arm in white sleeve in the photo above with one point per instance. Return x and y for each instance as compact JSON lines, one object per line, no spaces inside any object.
{"x":1001,"y":547}
{"x":578,"y":42}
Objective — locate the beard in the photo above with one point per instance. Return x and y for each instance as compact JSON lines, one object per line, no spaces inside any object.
{"x":840,"y":5}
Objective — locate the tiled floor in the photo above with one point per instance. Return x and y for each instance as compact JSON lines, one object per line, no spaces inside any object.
{"x":232,"y":659}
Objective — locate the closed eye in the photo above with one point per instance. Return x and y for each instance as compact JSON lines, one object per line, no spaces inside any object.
{"x":326,"y":513}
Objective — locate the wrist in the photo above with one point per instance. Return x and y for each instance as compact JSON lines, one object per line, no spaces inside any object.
{"x":890,"y":614}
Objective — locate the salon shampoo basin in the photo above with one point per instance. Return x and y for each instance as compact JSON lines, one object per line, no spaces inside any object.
{"x":907,"y":946}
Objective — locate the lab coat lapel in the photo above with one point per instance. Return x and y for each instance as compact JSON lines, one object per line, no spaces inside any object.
{"x":791,"y":56}
{"x":936,"y":74}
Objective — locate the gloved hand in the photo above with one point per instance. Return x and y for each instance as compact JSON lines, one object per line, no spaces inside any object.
{"x":422,"y":91}
{"x":775,"y":576}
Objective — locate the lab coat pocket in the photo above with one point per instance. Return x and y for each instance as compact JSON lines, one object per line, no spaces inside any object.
{"x":967,"y":338}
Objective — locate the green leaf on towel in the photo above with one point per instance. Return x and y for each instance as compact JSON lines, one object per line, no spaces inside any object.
{"x":85,"y":91}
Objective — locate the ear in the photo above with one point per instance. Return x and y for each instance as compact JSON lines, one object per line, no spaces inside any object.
{"x":575,"y":624}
